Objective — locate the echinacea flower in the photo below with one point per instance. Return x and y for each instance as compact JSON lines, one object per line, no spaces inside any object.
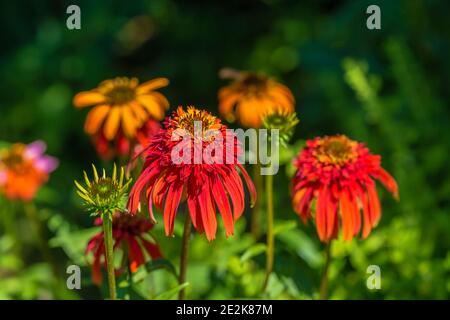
{"x":122,"y":106}
{"x":339,"y":174}
{"x":23,"y":169}
{"x":130,"y":233}
{"x":103,"y":194}
{"x":251,"y":96}
{"x":207,"y":186}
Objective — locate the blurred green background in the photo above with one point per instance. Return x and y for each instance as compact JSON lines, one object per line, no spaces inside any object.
{"x":388,"y":88}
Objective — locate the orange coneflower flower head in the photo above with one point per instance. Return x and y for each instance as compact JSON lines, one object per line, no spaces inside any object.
{"x":166,"y":181}
{"x":23,"y":169}
{"x":251,"y":96}
{"x":122,"y":107}
{"x":339,"y":174}
{"x":130,"y":233}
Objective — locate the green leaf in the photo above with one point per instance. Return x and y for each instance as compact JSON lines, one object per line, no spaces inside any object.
{"x":161,"y":264}
{"x":302,"y":245}
{"x":253,"y":251}
{"x":166,"y":295}
{"x":284,"y":226}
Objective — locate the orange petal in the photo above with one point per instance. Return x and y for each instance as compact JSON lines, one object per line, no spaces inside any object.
{"x":152,"y":85}
{"x":248,"y":113}
{"x":88,"y":98}
{"x":112,"y":123}
{"x":129,"y":123}
{"x":281,"y":100}
{"x":226,"y":106}
{"x":161,"y":99}
{"x":95,"y":118}
{"x":152,"y":106}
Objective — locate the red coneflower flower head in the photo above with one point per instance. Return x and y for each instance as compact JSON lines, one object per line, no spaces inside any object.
{"x":339,"y":174}
{"x":130,"y":233}
{"x":207,"y":185}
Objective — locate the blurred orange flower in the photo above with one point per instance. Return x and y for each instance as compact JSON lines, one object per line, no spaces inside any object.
{"x":23,"y":169}
{"x":338,"y":173}
{"x":122,"y":107}
{"x":251,"y":96}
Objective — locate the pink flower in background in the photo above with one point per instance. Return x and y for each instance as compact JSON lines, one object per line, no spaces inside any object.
{"x":23,"y":169}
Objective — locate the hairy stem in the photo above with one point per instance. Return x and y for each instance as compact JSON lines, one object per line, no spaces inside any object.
{"x":109,"y":250}
{"x":184,"y":255}
{"x":324,"y":282}
{"x":255,"y":226}
{"x":270,"y":234}
{"x":31,"y":213}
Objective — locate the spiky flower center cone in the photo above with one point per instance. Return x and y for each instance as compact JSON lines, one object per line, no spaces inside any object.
{"x":104,"y":188}
{"x":336,"y":150}
{"x":121,"y":95}
{"x":119,"y":91}
{"x":192,"y":119}
{"x":255,"y":83}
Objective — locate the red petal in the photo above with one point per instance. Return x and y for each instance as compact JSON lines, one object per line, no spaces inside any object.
{"x":195,"y":213}
{"x":223,"y":204}
{"x":389,"y":183}
{"x":170,"y":209}
{"x":96,"y":272}
{"x":147,"y":176}
{"x":366,"y":212}
{"x":236,"y":193}
{"x":302,"y":202}
{"x":250,"y":185}
{"x":332,"y":214}
{"x":374,"y":204}
{"x":321,"y":215}
{"x":134,"y":254}
{"x":208,"y":212}
{"x":152,"y":249}
{"x":159,"y":191}
{"x":345,"y":207}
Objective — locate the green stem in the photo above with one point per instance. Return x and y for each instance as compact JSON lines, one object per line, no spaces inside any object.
{"x":31,"y":213}
{"x":255,"y":227}
{"x":107,"y":232}
{"x":184,"y":255}
{"x":324,"y":281}
{"x":270,"y":234}
{"x":10,"y":226}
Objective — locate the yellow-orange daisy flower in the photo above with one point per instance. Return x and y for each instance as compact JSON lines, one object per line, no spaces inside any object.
{"x":250,"y":96}
{"x":121,"y":106}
